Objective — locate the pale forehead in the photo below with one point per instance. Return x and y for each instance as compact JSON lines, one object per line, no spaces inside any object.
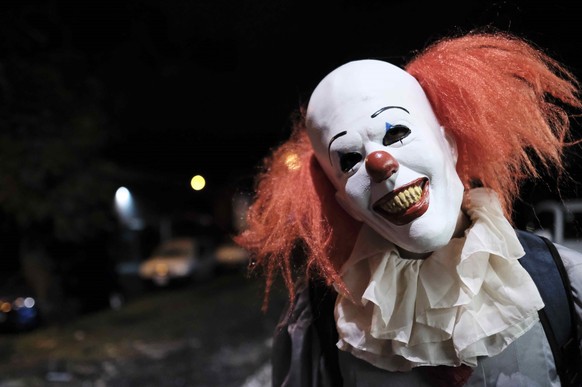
{"x":363,"y":79}
{"x":359,"y":88}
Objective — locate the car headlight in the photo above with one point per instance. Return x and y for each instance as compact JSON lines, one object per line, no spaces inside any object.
{"x":5,"y":306}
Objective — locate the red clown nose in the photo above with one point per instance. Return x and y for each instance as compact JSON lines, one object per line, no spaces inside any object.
{"x":381,"y":165}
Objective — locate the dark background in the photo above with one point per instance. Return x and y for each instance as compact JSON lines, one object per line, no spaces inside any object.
{"x":207,"y":86}
{"x":145,"y":94}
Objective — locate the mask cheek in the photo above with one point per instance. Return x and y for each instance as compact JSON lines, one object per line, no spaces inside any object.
{"x":354,"y":200}
{"x":346,"y":204}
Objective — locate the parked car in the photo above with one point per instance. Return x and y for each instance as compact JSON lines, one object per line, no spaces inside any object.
{"x":179,"y":260}
{"x":231,"y":256}
{"x":561,"y":222}
{"x":19,"y":311}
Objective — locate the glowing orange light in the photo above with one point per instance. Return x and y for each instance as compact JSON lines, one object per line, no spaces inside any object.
{"x":292,"y":161}
{"x":5,"y":307}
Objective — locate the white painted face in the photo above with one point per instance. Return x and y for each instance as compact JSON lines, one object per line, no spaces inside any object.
{"x":379,"y":142}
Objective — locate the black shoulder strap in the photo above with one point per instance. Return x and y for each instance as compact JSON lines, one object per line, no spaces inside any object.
{"x":545,"y":266}
{"x":323,"y":303}
{"x":304,"y":351}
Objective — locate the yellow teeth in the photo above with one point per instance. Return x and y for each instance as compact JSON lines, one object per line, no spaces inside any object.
{"x":403,"y":200}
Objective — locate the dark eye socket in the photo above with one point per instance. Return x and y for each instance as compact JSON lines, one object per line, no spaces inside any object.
{"x":349,"y":160}
{"x":394,"y":134}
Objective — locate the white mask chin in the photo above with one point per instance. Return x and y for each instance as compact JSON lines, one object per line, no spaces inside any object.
{"x":377,"y":139}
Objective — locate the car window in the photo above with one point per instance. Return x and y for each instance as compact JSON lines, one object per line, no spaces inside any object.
{"x":172,"y":252}
{"x":174,"y":249}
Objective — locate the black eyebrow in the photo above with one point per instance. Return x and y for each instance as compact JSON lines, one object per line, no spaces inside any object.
{"x":332,"y":140}
{"x":386,"y":108}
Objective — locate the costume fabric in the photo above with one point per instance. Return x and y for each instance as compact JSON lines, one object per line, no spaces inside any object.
{"x":304,"y":353}
{"x":470,"y":298}
{"x":526,"y":362}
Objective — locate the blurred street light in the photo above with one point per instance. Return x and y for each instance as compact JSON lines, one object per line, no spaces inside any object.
{"x":126,"y":209}
{"x":197,"y":183}
{"x":123,"y":202}
{"x":122,"y":197}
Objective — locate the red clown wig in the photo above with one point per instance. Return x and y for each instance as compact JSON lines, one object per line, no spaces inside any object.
{"x":503,"y":101}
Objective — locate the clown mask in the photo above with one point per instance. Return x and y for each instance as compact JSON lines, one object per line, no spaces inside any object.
{"x":376,"y":137}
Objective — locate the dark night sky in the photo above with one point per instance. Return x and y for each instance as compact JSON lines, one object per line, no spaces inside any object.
{"x":207,"y":86}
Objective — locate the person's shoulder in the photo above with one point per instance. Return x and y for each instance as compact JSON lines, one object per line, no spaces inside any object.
{"x":572,"y":258}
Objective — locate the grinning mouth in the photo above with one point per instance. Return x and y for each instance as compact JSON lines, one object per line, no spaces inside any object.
{"x":405,"y":204}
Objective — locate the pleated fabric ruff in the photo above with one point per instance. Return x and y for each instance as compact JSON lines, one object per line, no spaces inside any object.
{"x":468,"y":299}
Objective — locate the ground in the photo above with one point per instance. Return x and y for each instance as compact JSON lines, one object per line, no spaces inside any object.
{"x":209,"y":334}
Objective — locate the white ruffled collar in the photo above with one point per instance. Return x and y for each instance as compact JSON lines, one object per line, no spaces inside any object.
{"x":468,"y":299}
